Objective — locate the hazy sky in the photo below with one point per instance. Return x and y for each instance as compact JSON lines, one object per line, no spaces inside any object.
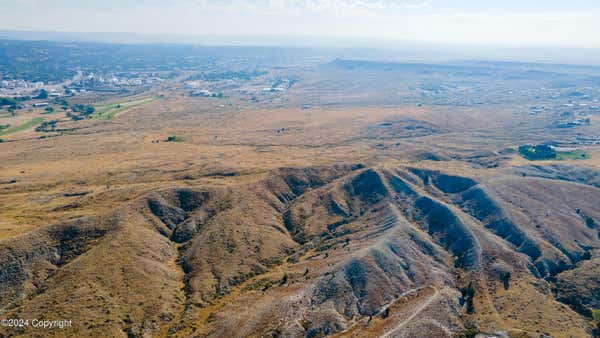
{"x":484,"y":22}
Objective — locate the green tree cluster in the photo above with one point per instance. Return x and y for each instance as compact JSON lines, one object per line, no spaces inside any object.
{"x":538,"y":152}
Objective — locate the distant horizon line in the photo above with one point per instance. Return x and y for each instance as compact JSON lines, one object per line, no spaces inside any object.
{"x":387,"y":49}
{"x":339,"y":41}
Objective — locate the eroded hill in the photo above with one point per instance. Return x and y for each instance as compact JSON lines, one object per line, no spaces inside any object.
{"x":343,"y":250}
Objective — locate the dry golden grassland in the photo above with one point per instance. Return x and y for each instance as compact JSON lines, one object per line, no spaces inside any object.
{"x":135,"y":279}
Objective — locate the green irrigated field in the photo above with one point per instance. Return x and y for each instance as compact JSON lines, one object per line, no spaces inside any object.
{"x":545,"y":153}
{"x":31,"y":123}
{"x":572,"y":155}
{"x":109,"y":111}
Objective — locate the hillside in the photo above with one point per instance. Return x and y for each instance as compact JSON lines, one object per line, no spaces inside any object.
{"x":343,"y":249}
{"x":359,"y":199}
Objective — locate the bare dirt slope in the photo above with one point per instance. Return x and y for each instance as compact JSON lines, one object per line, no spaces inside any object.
{"x":327,"y":246}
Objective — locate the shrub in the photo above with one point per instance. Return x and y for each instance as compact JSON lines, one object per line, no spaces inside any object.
{"x":596,"y":316}
{"x":506,"y":280}
{"x":590,"y":223}
{"x":47,"y":126}
{"x":468,"y":293}
{"x":471,"y":332}
{"x":460,"y":260}
{"x":43,"y":94}
{"x":174,"y":139}
{"x":284,"y":279}
{"x":7,"y":101}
